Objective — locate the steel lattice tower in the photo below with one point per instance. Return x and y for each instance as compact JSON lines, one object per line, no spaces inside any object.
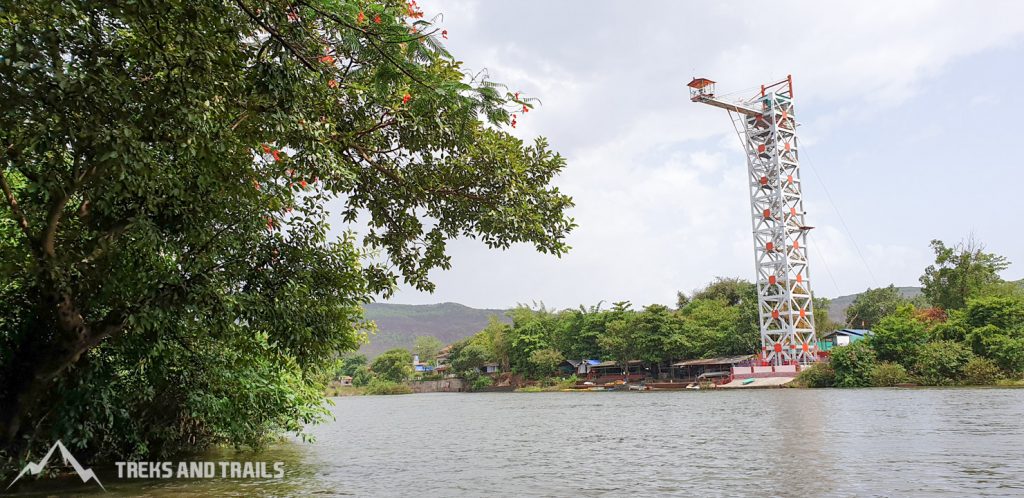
{"x":766,"y":125}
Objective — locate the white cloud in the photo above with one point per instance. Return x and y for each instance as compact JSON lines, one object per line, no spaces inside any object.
{"x":658,"y":181}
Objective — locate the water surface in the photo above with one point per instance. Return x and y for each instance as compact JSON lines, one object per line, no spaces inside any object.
{"x":779,"y":442}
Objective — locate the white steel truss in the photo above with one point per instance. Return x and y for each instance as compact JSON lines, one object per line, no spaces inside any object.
{"x":766,"y":125}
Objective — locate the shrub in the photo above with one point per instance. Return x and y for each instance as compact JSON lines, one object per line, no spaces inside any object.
{"x":888,"y":374}
{"x":530,"y":389}
{"x":981,"y":372}
{"x":898,"y":336}
{"x":942,"y":363}
{"x":481,"y":382}
{"x":380,"y":386}
{"x":818,"y":375}
{"x":853,"y":364}
{"x":1007,"y":351}
{"x":361,"y":377}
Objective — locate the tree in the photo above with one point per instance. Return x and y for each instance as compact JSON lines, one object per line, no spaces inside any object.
{"x":871,"y":305}
{"x":426,"y":347}
{"x":350,"y":363}
{"x":545,"y":361}
{"x":823,"y":323}
{"x":731,"y":290}
{"x":618,"y":343}
{"x":362,"y":377}
{"x":960,"y":272}
{"x":898,"y":337}
{"x":468,"y":359}
{"x":165,"y":170}
{"x":394,"y":365}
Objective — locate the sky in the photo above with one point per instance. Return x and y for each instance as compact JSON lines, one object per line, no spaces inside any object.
{"x":910,"y":118}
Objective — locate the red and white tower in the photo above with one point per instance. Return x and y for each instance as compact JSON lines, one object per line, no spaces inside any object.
{"x":766,"y":125}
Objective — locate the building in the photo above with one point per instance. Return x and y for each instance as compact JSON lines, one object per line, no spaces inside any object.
{"x":421,"y":366}
{"x":608,"y":371}
{"x":345,"y":380}
{"x":490,"y":368}
{"x":841,"y":337}
{"x":443,"y":354}
{"x":709,"y":368}
{"x":580,"y":368}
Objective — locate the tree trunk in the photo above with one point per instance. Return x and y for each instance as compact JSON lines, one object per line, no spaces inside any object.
{"x":57,"y":344}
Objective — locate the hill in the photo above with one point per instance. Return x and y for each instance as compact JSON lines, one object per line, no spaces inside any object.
{"x":398,"y":325}
{"x":837,"y":312}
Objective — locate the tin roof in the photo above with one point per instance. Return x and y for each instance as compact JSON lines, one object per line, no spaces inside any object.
{"x":611,"y":363}
{"x":725,"y":360}
{"x":848,"y":333}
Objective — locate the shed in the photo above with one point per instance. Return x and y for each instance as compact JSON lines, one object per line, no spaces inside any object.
{"x":577,"y":367}
{"x":841,"y":337}
{"x":605,"y":369}
{"x":692,"y":369}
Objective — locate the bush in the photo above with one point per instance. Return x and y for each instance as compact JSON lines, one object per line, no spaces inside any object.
{"x":898,"y":336}
{"x":818,"y":375}
{"x":981,"y":372}
{"x":1007,"y":351}
{"x":853,"y":364}
{"x":530,"y":389}
{"x":380,"y":386}
{"x":888,"y":374}
{"x":481,"y":382}
{"x":361,"y":377}
{"x":941,"y":363}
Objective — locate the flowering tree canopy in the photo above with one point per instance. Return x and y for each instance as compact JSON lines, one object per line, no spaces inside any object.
{"x":166,"y":171}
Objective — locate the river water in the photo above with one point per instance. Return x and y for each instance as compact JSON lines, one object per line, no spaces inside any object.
{"x":777,"y":442}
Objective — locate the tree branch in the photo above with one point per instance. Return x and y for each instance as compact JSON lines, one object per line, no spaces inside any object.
{"x":277,"y":36}
{"x":369,"y":38}
{"x":19,"y":216}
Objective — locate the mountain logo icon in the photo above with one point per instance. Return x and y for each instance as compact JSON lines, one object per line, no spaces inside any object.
{"x":35,"y":468}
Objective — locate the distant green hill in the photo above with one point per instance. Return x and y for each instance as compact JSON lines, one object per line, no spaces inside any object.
{"x":398,"y":325}
{"x":837,"y":312}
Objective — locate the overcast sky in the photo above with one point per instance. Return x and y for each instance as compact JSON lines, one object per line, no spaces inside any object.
{"x":911,"y":118}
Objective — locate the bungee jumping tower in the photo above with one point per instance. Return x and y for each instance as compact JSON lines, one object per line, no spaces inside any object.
{"x":766,"y":126}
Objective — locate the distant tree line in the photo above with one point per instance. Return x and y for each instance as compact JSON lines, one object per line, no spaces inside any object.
{"x":720,"y":319}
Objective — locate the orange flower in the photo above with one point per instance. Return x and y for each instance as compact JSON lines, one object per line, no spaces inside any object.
{"x":526,"y":109}
{"x":327,"y":59}
{"x":513,"y":120}
{"x":406,"y":98}
{"x":256,"y":184}
{"x":333,"y":83}
{"x":303,"y":183}
{"x":266,"y":149}
{"x":360,"y":18}
{"x":444,"y":34}
{"x":376,"y":18}
{"x":277,"y":157}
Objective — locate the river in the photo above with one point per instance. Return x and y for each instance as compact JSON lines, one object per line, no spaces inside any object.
{"x":778,"y":442}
